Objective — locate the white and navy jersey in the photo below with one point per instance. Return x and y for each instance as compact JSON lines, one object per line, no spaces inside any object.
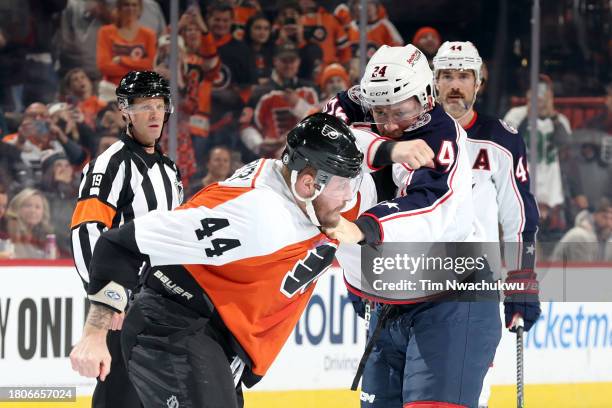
{"x":436,"y":202}
{"x":121,"y":184}
{"x":501,"y":187}
{"x":244,"y":242}
{"x":426,"y":205}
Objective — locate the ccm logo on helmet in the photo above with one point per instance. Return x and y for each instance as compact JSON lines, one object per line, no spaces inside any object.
{"x":379,"y":93}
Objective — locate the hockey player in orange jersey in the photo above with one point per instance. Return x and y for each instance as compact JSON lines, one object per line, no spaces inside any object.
{"x":230,"y":272}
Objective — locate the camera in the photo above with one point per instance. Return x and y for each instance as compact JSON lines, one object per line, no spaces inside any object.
{"x":41,"y":127}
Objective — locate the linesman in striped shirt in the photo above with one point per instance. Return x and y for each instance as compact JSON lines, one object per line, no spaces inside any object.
{"x":131,"y":178}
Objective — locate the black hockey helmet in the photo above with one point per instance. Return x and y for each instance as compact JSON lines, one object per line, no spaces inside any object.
{"x":325,"y":143}
{"x":142,"y":84}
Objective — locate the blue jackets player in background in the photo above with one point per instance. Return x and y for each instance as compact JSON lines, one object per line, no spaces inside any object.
{"x":500,"y":177}
{"x":432,"y":354}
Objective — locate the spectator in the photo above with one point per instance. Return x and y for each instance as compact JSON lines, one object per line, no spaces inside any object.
{"x":40,"y":79}
{"x":238,"y":66}
{"x":161,"y":64}
{"x":110,"y":120}
{"x":105,"y":142}
{"x":553,"y":134}
{"x":257,"y":36}
{"x":588,"y":240}
{"x":278,"y":106}
{"x":6,"y":247}
{"x":232,"y":85}
{"x":243,"y":11}
{"x":202,"y":65}
{"x":152,"y":17}
{"x":38,"y":135}
{"x":323,"y":29}
{"x":288,"y":27}
{"x":603,"y":121}
{"x":333,"y":79}
{"x":78,"y":91}
{"x":12,"y":168}
{"x":69,"y":120}
{"x":588,"y":174}
{"x":218,"y":168}
{"x":28,"y":221}
{"x":428,"y":40}
{"x":123,"y":47}
{"x":13,"y":36}
{"x":80,"y":22}
{"x":380,"y":32}
{"x":61,"y":189}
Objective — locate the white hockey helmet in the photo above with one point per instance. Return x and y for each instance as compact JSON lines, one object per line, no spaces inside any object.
{"x":458,"y":55}
{"x":395,"y":74}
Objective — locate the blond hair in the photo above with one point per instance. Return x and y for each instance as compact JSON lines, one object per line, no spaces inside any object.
{"x":18,"y":229}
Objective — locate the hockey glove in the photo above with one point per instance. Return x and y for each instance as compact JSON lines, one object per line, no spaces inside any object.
{"x":522,"y":300}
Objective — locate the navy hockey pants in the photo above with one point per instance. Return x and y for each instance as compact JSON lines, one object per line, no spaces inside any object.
{"x":436,"y":352}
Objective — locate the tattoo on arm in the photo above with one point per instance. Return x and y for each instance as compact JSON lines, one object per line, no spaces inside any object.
{"x":99,"y":317}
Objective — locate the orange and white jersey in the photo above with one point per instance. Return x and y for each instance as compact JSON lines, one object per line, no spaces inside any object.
{"x":275,"y":117}
{"x":381,"y":32}
{"x":249,"y":247}
{"x":323,"y":29}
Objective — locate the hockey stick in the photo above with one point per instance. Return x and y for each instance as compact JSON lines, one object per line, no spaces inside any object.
{"x":520,"y":386}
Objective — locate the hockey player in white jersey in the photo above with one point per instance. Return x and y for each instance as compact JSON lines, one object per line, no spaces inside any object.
{"x":432,"y":354}
{"x":500,"y":177}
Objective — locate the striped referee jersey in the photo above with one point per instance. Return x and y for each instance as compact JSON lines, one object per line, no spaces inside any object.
{"x":121,"y":184}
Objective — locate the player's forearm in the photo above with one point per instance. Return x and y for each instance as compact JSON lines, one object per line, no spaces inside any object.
{"x":371,"y":230}
{"x":384,"y":154}
{"x":98,"y":320}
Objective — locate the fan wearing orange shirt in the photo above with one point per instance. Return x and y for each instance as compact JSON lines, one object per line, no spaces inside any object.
{"x":125,"y":46}
{"x":380,"y":32}
{"x":79,"y":92}
{"x":202,"y":64}
{"x":323,"y":29}
{"x":243,"y":11}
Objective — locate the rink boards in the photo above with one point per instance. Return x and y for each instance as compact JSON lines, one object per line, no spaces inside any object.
{"x":42,"y":309}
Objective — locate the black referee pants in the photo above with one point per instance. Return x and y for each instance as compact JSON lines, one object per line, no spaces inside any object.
{"x":116,"y":391}
{"x":175,"y":357}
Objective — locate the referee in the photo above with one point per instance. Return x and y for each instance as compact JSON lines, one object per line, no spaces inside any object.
{"x":131,"y":178}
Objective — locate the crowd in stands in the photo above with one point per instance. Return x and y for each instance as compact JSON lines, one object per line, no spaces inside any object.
{"x":246,"y":76}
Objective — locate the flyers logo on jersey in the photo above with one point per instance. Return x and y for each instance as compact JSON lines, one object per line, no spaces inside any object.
{"x":306,"y":270}
{"x":330,"y":132}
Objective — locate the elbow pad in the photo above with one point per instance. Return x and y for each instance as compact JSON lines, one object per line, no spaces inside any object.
{"x":112,"y":295}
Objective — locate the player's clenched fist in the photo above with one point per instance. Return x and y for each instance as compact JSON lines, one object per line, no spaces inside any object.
{"x":346,"y":232}
{"x":90,"y":356}
{"x":415,"y":153}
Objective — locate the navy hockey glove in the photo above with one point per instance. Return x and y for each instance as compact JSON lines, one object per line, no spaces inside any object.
{"x":522,"y":300}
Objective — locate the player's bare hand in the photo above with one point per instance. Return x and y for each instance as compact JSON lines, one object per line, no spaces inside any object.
{"x":415,"y":153}
{"x":117,"y":321}
{"x":90,"y":356}
{"x":346,"y":232}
